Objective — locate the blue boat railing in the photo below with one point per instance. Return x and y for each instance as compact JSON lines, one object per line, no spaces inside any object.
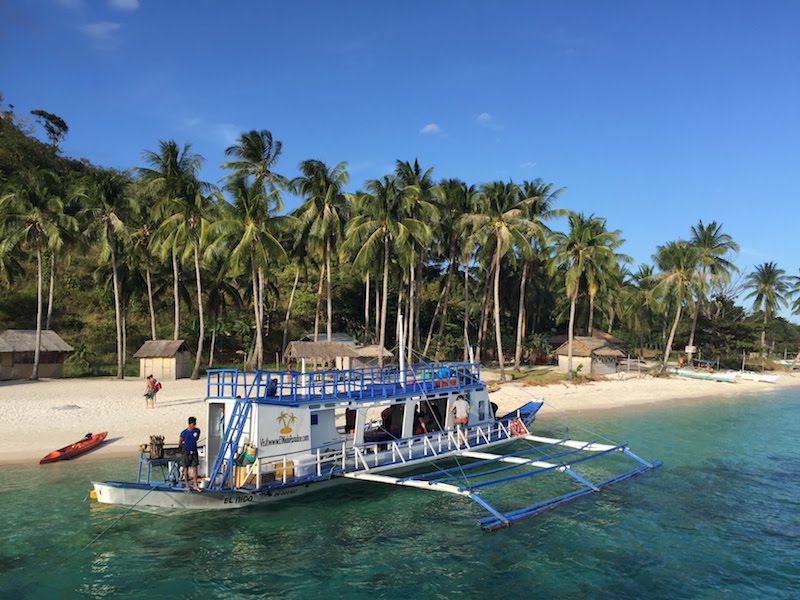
{"x":362,"y":383}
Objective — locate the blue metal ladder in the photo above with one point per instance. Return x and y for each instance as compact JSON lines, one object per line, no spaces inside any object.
{"x":224,"y":461}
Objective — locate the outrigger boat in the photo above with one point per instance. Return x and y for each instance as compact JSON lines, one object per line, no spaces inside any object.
{"x":276,"y":435}
{"x":729,"y":377}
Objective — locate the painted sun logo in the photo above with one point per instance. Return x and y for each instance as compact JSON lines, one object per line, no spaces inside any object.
{"x":286,"y":419}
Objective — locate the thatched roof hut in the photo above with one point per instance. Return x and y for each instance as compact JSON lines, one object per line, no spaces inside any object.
{"x":164,"y":359}
{"x":341,"y":355}
{"x":17,"y":349}
{"x":596,"y":354}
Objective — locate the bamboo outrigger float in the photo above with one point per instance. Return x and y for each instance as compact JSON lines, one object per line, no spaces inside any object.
{"x":275,"y":435}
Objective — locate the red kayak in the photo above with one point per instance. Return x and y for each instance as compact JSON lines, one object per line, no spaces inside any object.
{"x":89,"y":442}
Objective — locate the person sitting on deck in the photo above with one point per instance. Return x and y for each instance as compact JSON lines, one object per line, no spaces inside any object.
{"x":272,"y":388}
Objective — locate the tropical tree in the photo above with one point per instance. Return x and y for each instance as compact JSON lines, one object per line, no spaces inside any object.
{"x":249,"y":234}
{"x":584,"y":252}
{"x":420,"y":198}
{"x":255,"y":154}
{"x":456,"y":200}
{"x":540,"y":197}
{"x":32,"y":217}
{"x":502,"y":224}
{"x":677,"y":277}
{"x":712,"y":245}
{"x":323,"y":212}
{"x":105,"y":217}
{"x":770,"y":288}
{"x":377,"y":231}
{"x":172,"y":177}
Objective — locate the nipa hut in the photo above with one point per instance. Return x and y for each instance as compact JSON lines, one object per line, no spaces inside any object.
{"x":17,"y":349}
{"x":337,"y":355}
{"x":164,"y":359}
{"x":597,"y":355}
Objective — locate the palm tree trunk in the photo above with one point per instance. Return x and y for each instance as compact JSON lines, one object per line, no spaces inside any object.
{"x":198,"y":282}
{"x":150,"y":297}
{"x":591,"y":315}
{"x":412,"y":295}
{"x":668,"y":350}
{"x":52,"y":287}
{"x":385,"y":298}
{"x":176,"y":297}
{"x":289,"y":311}
{"x":689,"y":355}
{"x":377,"y":312}
{"x":319,"y":302}
{"x":764,"y":332}
{"x":366,"y":307}
{"x":330,"y":295}
{"x":432,"y":324}
{"x":466,"y":311}
{"x":418,"y":308}
{"x":258,"y":340}
{"x":497,"y":312}
{"x":117,"y":312}
{"x":260,"y":333}
{"x":484,"y":324}
{"x":571,"y":332}
{"x":36,"y":353}
{"x":211,"y":349}
{"x":521,"y":316}
{"x":443,"y":322}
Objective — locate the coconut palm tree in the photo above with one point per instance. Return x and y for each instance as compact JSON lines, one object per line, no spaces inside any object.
{"x":143,"y":228}
{"x":32,"y":217}
{"x":541,"y":196}
{"x":770,"y":290}
{"x":172,"y":176}
{"x":323,"y":212}
{"x":255,"y":154}
{"x":421,"y":196}
{"x":503,"y":224}
{"x":677,"y":277}
{"x":712,"y":245}
{"x":379,"y":230}
{"x":248,"y":232}
{"x":456,"y":200}
{"x":106,"y":216}
{"x":583,"y":252}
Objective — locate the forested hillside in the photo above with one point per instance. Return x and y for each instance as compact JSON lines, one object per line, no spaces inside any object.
{"x":154,"y":252}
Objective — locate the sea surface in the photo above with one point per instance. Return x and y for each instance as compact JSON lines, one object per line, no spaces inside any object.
{"x":720,"y":519}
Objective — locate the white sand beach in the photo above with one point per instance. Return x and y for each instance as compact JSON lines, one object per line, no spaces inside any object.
{"x":40,"y":416}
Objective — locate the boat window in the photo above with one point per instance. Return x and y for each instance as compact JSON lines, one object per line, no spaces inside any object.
{"x":481,"y":410}
{"x":314,"y":418}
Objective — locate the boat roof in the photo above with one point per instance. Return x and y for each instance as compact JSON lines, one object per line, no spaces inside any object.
{"x":341,"y":387}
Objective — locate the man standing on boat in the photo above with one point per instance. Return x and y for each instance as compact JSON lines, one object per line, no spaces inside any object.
{"x":461,"y":410}
{"x":188,"y":444}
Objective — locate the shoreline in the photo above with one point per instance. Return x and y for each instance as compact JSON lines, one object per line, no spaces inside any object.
{"x":40,"y":416}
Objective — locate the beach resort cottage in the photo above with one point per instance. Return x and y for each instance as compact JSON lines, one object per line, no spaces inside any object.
{"x":17,"y":347}
{"x":164,"y":359}
{"x":597,"y":355}
{"x":342,"y":353}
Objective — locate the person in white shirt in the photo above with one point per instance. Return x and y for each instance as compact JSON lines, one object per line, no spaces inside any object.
{"x":461,"y":410}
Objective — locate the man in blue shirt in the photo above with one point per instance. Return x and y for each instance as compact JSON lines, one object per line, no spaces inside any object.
{"x":188,"y":444}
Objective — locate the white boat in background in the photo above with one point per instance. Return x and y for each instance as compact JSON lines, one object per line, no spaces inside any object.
{"x":753,"y":376}
{"x":729,"y":377}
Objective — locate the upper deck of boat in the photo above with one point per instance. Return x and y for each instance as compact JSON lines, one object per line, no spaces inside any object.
{"x":363,"y":385}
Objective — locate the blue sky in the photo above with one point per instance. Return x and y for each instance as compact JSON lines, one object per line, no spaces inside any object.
{"x":654,"y":115}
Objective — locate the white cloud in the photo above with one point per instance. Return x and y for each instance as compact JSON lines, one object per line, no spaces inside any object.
{"x":102,"y":33}
{"x":528,"y":165}
{"x":486,"y":119}
{"x":431,"y":129}
{"x":227,"y":133}
{"x":130,"y":5}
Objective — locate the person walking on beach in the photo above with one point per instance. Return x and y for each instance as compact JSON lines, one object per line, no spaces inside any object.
{"x":150,"y":391}
{"x":461,"y":410}
{"x":188,"y":445}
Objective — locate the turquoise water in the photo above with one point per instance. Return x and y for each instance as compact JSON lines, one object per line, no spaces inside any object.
{"x":720,"y":519}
